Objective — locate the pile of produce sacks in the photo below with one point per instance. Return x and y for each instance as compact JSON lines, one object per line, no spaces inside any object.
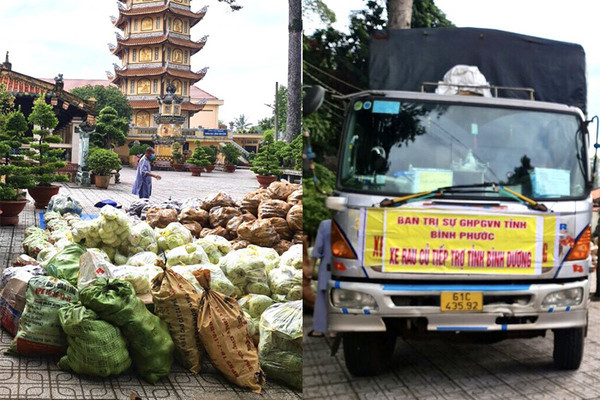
{"x":118,"y":257}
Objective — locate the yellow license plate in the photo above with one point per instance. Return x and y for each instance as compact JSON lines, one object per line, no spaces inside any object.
{"x":461,"y":301}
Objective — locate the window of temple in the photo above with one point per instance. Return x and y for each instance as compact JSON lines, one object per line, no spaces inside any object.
{"x":155,"y":86}
{"x":147,"y":24}
{"x":177,"y":56}
{"x":144,"y":86}
{"x":157,"y":22}
{"x":156,"y":53}
{"x":135,"y":24}
{"x":177,"y":84}
{"x":134,"y":55}
{"x":185,"y":57}
{"x":185,"y":88}
{"x":143,"y":119}
{"x":168,"y":54}
{"x":169,"y":23}
{"x":177,"y":26}
{"x":185,"y":26}
{"x":146,"y":54}
{"x":132,"y":87}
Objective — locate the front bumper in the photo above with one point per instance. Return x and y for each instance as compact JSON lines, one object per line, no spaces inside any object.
{"x":500,"y":315}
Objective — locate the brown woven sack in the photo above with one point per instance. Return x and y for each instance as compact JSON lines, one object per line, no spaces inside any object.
{"x":282,"y":227}
{"x":219,"y":231}
{"x":223,"y":331}
{"x":273,"y":208}
{"x":294,"y":217}
{"x":297,"y":239}
{"x":193,"y":227}
{"x":281,"y":190}
{"x":295,"y":197}
{"x":198,"y":215}
{"x":160,"y":217}
{"x":282,"y":246}
{"x":220,"y":216}
{"x":252,"y":200}
{"x":235,"y":222}
{"x":237,"y":244}
{"x":220,"y":199}
{"x":259,"y":232}
{"x":176,"y":302}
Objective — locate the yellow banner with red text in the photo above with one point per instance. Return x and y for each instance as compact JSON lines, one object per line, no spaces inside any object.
{"x":411,"y":240}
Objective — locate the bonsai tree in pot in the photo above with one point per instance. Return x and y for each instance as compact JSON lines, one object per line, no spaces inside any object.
{"x":211,"y":155}
{"x":231,"y":154}
{"x":46,"y":160}
{"x":266,"y":164}
{"x":198,"y":160}
{"x":14,"y":169}
{"x":178,"y":157}
{"x":102,"y":162}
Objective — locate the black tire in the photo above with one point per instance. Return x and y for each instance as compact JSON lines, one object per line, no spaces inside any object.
{"x":568,"y":347}
{"x":368,"y":353}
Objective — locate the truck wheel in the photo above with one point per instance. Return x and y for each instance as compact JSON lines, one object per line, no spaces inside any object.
{"x":568,"y":347}
{"x":368,"y":353}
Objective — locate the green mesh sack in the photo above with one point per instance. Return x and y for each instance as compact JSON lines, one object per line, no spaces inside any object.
{"x":65,"y":264}
{"x":96,"y":347}
{"x":150,"y":344}
{"x":280,"y":346}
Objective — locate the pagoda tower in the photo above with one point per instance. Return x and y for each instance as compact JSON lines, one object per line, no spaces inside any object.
{"x":156,"y":49}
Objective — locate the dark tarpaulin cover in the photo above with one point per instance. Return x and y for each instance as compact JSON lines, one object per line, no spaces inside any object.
{"x":403,"y":59}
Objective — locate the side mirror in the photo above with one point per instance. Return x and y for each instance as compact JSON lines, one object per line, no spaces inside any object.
{"x":313,"y":99}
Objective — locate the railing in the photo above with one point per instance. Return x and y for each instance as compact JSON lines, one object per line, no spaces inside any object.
{"x":142,"y":131}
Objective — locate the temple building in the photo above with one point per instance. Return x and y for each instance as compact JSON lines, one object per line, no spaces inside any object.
{"x":156,"y":50}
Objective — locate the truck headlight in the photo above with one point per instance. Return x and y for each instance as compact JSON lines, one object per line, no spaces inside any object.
{"x":562,"y":298}
{"x":343,"y":298}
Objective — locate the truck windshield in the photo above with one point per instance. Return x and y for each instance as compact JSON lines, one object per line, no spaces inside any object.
{"x":398,"y":147}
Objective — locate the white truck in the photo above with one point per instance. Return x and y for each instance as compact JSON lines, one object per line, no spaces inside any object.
{"x":458,"y":213}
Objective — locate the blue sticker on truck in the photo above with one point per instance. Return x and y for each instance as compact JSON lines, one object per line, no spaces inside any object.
{"x":386,"y":107}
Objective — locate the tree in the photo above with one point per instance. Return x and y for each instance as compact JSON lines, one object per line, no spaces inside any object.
{"x":318,"y":8}
{"x":111,"y":130}
{"x":47,"y":159}
{"x":241,"y":123}
{"x":266,"y":123}
{"x":294,"y":71}
{"x":399,"y":13}
{"x":106,"y":96}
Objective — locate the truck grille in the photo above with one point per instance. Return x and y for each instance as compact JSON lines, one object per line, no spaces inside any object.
{"x":433,"y":300}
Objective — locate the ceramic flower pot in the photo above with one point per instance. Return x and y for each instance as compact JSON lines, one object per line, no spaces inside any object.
{"x":230,"y":168}
{"x":102,"y":181}
{"x":42,"y":194}
{"x":265,"y":180}
{"x":196,"y":171}
{"x":10,"y":211}
{"x":209,"y":168}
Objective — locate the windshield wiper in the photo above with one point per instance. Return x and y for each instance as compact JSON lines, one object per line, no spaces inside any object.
{"x":439,"y":192}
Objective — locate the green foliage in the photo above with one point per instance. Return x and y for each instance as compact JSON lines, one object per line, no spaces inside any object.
{"x":103,"y":161}
{"x":178,"y":157}
{"x":106,"y":96}
{"x":111,"y":130}
{"x":16,"y":171}
{"x":231,"y":153}
{"x":339,"y":62}
{"x":319,"y":9}
{"x":137,"y":149}
{"x":313,"y":202}
{"x":46,"y":159}
{"x":267,"y":161}
{"x":211,"y":153}
{"x":241,"y":123}
{"x":268,"y":136}
{"x":199,"y":157}
{"x":266,"y":123}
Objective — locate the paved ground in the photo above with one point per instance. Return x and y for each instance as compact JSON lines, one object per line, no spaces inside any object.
{"x":443,"y":369}
{"x":40,"y":379}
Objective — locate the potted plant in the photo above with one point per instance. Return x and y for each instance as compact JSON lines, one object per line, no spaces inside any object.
{"x":14,"y":169}
{"x":46,"y":160}
{"x":266,"y":164}
{"x":178,"y":157}
{"x":102,"y":162}
{"x":134,"y":151}
{"x":198,"y":161}
{"x":231,"y":154}
{"x":211,"y":155}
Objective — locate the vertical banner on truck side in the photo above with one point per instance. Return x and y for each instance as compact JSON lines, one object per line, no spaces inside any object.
{"x":411,"y":240}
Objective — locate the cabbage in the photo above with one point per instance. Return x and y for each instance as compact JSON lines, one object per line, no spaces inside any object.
{"x":246,"y":271}
{"x":187,"y":255}
{"x":253,"y":327}
{"x":174,"y":235}
{"x":138,"y":277}
{"x":292,"y":257}
{"x":142,"y":259}
{"x":46,"y":255}
{"x":142,"y":238}
{"x":286,"y":281}
{"x":255,"y":304}
{"x":120,"y":259}
{"x":222,"y":244}
{"x":64,"y":204}
{"x":269,"y":256}
{"x":212,"y":251}
{"x":186,"y":272}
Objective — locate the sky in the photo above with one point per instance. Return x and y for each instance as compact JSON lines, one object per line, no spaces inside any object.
{"x":246,"y":51}
{"x":573,"y":21}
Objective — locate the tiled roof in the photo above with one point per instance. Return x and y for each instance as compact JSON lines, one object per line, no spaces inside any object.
{"x":141,"y":41}
{"x":197,"y":93}
{"x":153,"y":105}
{"x":196,"y":76}
{"x":75,"y":83}
{"x":194,"y":16}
